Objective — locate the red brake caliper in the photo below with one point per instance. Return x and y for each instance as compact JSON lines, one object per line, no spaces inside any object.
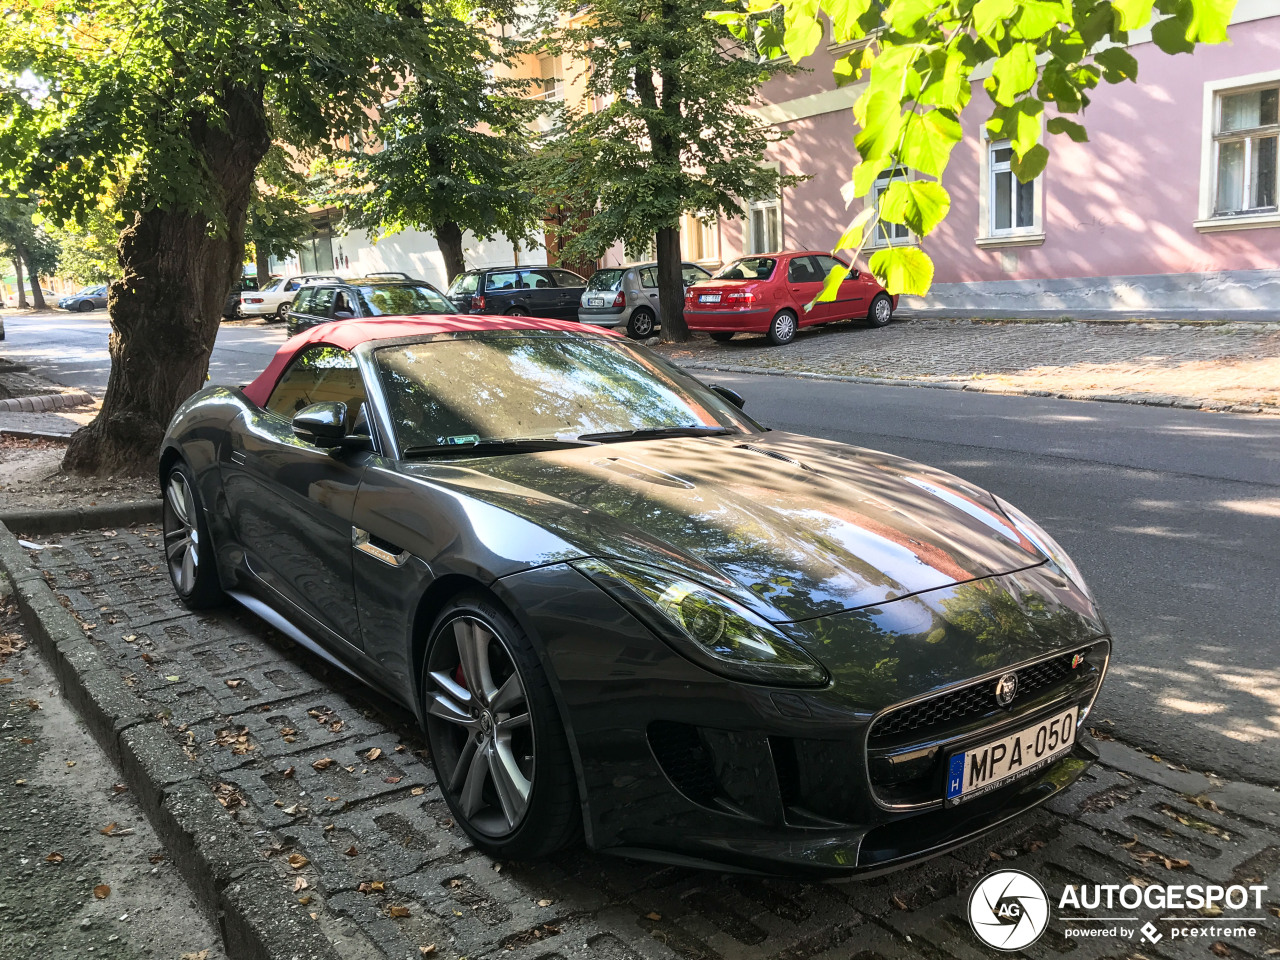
{"x":461,"y":678}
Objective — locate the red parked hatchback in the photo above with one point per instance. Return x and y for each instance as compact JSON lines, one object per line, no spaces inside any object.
{"x":767,"y":293}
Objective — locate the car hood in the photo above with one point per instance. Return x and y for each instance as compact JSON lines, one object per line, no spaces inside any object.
{"x":791,"y":526}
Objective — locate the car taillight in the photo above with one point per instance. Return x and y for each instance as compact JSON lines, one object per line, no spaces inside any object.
{"x":253,"y":300}
{"x":744,"y":299}
{"x":477,"y":302}
{"x":620,"y":300}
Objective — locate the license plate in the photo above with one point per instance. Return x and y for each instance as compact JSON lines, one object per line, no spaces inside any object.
{"x":595,"y":302}
{"x":981,"y":769}
{"x":709,"y":298}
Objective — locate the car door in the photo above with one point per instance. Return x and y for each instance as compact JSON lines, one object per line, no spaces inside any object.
{"x":503,"y":290}
{"x":542,"y":297}
{"x":851,"y":298}
{"x":569,"y":290}
{"x":804,"y":282}
{"x":648,"y":277}
{"x":291,"y":503}
{"x":100,"y":296}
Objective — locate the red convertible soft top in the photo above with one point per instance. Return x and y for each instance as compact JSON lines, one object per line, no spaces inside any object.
{"x":349,"y":334}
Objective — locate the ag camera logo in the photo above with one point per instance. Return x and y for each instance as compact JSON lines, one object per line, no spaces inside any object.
{"x":1008,"y":910}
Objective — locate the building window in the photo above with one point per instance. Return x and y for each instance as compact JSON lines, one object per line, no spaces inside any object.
{"x":1244,"y":148}
{"x":764,"y":225}
{"x":887,"y":234}
{"x":700,"y":239}
{"x":552,"y":74}
{"x":1011,"y":203}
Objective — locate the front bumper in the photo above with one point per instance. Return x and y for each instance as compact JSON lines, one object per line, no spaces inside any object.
{"x":681,"y":766}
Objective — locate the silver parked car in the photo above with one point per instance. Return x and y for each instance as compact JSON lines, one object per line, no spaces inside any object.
{"x":628,"y":297}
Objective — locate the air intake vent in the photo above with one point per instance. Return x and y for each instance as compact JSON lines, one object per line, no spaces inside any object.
{"x":772,"y":454}
{"x":685,"y":759}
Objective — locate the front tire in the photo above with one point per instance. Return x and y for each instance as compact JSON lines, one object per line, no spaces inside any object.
{"x":641,"y":324}
{"x":188,"y":548}
{"x":499,"y":750}
{"x":881,"y":311}
{"x":783,"y":328}
{"x":84,"y":306}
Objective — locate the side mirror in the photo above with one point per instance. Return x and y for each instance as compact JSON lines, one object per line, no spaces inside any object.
{"x":325,"y":425}
{"x":343,"y":315}
{"x":731,"y":395}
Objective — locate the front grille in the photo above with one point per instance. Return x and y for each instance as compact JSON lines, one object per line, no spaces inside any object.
{"x":956,"y":706}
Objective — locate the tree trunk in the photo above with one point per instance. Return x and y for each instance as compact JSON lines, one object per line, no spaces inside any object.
{"x":262,"y":258}
{"x":165,"y":309}
{"x":37,"y":295}
{"x":671,"y":286}
{"x":22,"y":284}
{"x":449,"y":239}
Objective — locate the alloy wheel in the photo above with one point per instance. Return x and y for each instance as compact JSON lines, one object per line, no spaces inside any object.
{"x":641,"y":324}
{"x":883,"y":310}
{"x":181,"y":533}
{"x":481,"y":730}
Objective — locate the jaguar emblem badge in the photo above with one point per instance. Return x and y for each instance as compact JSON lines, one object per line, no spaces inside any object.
{"x":1006,"y":689}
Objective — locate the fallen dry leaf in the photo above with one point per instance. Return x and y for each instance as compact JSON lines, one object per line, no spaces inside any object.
{"x":429,"y":948}
{"x":299,"y":883}
{"x":399,"y":748}
{"x":417,"y":791}
{"x":305,"y":900}
{"x":288,"y":773}
{"x":351,"y":851}
{"x":4,"y":680}
{"x":235,"y":683}
{"x":109,"y":829}
{"x":297,"y":861}
{"x":156,"y":858}
{"x":373,"y":754}
{"x":333,"y":799}
{"x":336,"y":726}
{"x":392,"y":779}
{"x":33,"y":704}
{"x":545,"y":903}
{"x":899,"y":902}
{"x":118,"y":788}
{"x":1219,"y":949}
{"x":202,"y":955}
{"x":653,"y":915}
{"x":324,"y":763}
{"x":397,"y":910}
{"x":101,"y":891}
{"x":54,"y":857}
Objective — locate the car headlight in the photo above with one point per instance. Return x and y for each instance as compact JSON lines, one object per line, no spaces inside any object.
{"x":711,"y":630}
{"x":1046,"y":544}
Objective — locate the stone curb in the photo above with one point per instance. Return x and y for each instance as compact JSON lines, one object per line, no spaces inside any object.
{"x":1141,"y":399}
{"x":42,"y":522}
{"x":43,"y":403}
{"x":241,"y":894}
{"x":20,"y":434}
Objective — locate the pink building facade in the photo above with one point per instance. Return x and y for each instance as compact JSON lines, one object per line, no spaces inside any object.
{"x":1169,"y":210}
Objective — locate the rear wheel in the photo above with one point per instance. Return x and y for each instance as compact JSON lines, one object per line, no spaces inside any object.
{"x":641,"y":323}
{"x":188,"y":548}
{"x":722,"y":336}
{"x":783,"y":328}
{"x":282,"y":311}
{"x":499,"y":750}
{"x":517,"y":312}
{"x":881,"y":311}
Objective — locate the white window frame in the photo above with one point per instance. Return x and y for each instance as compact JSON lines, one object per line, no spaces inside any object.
{"x":1014,"y":236}
{"x":1214,"y":91}
{"x":765,"y":203}
{"x":877,"y":241}
{"x":709,"y":234}
{"x":556,"y":93}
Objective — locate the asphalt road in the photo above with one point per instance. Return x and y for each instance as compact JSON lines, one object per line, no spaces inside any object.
{"x":1174,"y":516}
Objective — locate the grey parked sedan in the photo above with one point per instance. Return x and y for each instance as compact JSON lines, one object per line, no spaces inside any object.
{"x":628,"y":297}
{"x":85,"y":300}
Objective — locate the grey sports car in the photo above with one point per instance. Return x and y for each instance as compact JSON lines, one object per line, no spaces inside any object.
{"x":626,"y":612}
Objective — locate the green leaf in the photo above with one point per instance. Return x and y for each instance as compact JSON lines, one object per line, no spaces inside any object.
{"x":864,"y":175}
{"x":1072,"y":129}
{"x":851,"y":239}
{"x":1170,"y":35}
{"x":1014,"y":73}
{"x":1020,"y":124}
{"x":949,"y":87}
{"x":1209,"y":20}
{"x":987,"y":13}
{"x":830,"y":286}
{"x":904,"y":269}
{"x":1031,"y":164}
{"x":803,"y":38}
{"x":901,"y":15}
{"x":881,"y":124}
{"x":1038,"y":17}
{"x":1117,"y":64}
{"x":928,"y":140}
{"x":845,"y":15}
{"x":1132,"y":14}
{"x":920,"y":204}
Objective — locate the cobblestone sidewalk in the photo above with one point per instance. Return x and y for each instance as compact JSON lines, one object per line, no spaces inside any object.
{"x":1229,"y":366}
{"x":333,"y":786}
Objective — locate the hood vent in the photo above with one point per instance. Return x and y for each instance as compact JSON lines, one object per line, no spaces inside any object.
{"x":772,"y":453}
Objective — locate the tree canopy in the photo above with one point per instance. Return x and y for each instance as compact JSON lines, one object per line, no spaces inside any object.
{"x":918,"y":58}
{"x":664,"y":131}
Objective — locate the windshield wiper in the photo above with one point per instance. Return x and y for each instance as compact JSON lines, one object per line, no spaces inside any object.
{"x":493,"y":446}
{"x":646,"y":433}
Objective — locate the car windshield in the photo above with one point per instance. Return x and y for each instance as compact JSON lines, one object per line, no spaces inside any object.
{"x":748,"y":268}
{"x":464,"y":284}
{"x":609,"y":279}
{"x":401,"y":300}
{"x":502,"y":386}
{"x":87,"y":292}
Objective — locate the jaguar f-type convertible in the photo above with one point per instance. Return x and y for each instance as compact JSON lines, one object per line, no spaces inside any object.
{"x":623,"y":610}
